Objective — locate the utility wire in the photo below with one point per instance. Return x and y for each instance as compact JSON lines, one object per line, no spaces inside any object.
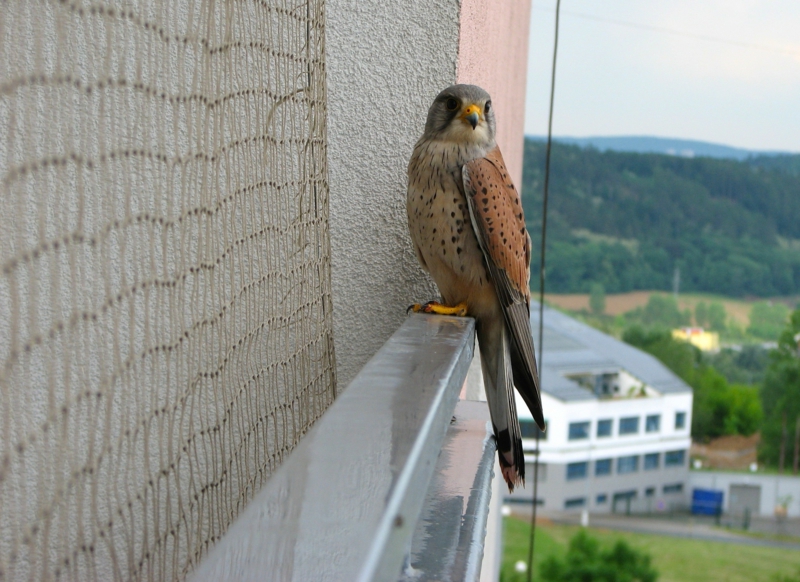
{"x":676,"y":32}
{"x":541,"y":286}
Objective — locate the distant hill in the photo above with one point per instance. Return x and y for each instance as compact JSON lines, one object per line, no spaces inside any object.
{"x":660,"y":145}
{"x":626,"y":220}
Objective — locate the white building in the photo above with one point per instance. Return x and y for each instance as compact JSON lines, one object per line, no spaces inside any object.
{"x":618,"y":424}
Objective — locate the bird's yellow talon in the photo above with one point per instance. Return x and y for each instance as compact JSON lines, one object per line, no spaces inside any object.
{"x":459,"y":310}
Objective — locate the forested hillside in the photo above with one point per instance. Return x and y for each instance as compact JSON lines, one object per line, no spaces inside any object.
{"x":627,"y":220}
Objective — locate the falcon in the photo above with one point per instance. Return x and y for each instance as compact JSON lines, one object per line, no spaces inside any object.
{"x":468,"y":230}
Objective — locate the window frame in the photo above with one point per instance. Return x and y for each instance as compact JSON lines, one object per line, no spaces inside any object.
{"x":682,"y":415}
{"x":681,"y":453}
{"x":622,"y":431}
{"x":627,"y":471}
{"x":652,"y":467}
{"x":572,"y":476}
{"x":603,"y":422}
{"x":576,"y":425}
{"x":526,"y":422}
{"x":647,"y":419}
{"x":610,"y":464}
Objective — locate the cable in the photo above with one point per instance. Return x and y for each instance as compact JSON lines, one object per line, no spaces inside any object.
{"x":676,"y":32}
{"x":541,"y":286}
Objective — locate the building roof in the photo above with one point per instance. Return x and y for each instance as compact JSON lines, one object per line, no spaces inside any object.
{"x":573,"y":347}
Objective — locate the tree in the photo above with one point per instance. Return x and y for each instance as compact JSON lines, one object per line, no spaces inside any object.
{"x":716,"y":316}
{"x":745,"y":413}
{"x":587,"y":562}
{"x":719,"y":408}
{"x":701,"y":314}
{"x":719,"y":219}
{"x":597,"y":299}
{"x":662,"y":310}
{"x":780,"y":393}
{"x":680,"y":357}
{"x":767,"y":320}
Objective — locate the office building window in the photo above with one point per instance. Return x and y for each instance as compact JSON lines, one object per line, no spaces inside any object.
{"x":576,"y":471}
{"x":628,"y":464}
{"x":529,"y":429}
{"x":651,"y":461}
{"x":674,"y":488}
{"x":680,"y":420}
{"x":601,"y":498}
{"x":578,"y":431}
{"x":674,"y":458}
{"x":574,"y":502}
{"x":602,"y":467}
{"x":604,"y":427}
{"x":652,"y":423}
{"x":629,"y":425}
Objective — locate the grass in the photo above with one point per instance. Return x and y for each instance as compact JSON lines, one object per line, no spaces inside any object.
{"x":676,"y":559}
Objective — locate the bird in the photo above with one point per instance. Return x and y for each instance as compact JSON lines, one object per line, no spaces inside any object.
{"x":468,"y":230}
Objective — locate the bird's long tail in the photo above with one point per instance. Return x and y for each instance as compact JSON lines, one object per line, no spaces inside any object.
{"x":498,"y":378}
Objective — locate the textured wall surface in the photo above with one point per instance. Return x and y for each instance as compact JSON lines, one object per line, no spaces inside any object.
{"x":166,"y":330}
{"x":493,"y":53}
{"x":386,"y":62}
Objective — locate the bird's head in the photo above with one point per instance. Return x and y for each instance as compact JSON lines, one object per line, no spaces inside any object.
{"x":462,"y":114}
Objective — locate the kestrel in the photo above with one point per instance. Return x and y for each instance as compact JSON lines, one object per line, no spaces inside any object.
{"x":468,"y":230}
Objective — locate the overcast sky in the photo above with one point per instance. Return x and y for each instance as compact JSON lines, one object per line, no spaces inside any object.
{"x":741,"y":89}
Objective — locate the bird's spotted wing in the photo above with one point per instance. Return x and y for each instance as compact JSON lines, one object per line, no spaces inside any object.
{"x":499,"y":224}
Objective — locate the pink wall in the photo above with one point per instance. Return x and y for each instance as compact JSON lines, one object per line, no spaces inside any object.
{"x":493,"y":53}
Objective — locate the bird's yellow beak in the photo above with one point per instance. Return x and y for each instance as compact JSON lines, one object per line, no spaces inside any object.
{"x":472,"y":115}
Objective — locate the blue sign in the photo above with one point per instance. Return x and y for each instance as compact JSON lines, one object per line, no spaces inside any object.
{"x":706,"y":502}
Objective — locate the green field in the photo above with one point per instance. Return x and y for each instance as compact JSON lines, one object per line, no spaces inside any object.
{"x":676,"y":559}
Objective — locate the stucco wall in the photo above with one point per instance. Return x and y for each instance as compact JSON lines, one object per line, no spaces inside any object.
{"x":493,"y":53}
{"x":386,"y":62}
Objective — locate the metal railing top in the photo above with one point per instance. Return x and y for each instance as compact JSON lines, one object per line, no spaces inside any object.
{"x":344,"y":505}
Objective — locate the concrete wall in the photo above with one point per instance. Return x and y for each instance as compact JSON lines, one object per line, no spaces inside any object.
{"x":773,"y":488}
{"x":386,"y":62}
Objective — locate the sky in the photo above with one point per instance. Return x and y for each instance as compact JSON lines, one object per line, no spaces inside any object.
{"x":723,"y":71}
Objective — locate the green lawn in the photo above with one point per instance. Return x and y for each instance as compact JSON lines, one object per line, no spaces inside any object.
{"x":676,"y":559}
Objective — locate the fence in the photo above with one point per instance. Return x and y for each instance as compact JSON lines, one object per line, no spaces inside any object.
{"x":165,"y":307}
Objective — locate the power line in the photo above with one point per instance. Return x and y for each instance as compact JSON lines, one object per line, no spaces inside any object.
{"x":676,"y":32}
{"x":541,"y":286}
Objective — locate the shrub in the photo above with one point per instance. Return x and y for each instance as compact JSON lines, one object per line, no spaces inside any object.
{"x":587,"y":562}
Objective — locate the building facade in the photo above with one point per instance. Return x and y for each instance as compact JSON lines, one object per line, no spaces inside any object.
{"x":618,"y":425}
{"x":758,"y":494}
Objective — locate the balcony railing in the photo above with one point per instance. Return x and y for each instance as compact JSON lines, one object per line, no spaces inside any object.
{"x":388,"y":484}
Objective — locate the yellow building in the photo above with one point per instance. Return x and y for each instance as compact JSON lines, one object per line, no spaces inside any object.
{"x":697,"y":336}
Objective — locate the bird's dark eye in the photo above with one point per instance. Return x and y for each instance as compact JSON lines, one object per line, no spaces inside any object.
{"x":487,"y":107}
{"x":451,"y":104}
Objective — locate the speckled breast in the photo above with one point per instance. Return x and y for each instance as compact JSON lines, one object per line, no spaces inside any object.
{"x":438,"y":218}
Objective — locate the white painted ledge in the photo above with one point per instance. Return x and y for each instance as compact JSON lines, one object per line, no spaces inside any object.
{"x":346,"y":503}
